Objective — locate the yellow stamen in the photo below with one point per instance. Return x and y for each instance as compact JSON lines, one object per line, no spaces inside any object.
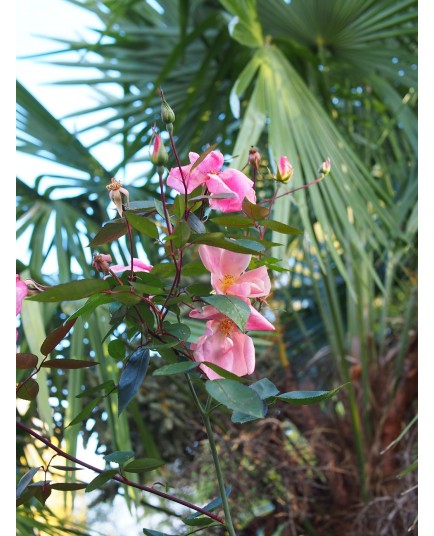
{"x":227,"y":281}
{"x":227,"y":326}
{"x":114,"y":185}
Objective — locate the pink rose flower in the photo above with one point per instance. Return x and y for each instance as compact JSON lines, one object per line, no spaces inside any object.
{"x":21,"y":293}
{"x":223,"y":343}
{"x":208,"y":172}
{"x":228,"y":275}
{"x":255,"y":322}
{"x":138,"y":266}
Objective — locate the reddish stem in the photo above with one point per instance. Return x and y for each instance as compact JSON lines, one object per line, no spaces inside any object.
{"x":292,"y":191}
{"x":122,"y":480}
{"x":184,"y":182}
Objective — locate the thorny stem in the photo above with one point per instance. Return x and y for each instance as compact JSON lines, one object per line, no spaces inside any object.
{"x":120,"y":479}
{"x":213,"y":448}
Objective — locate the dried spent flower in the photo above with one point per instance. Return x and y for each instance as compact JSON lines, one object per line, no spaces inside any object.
{"x":101,"y":262}
{"x":254,"y":157}
{"x":115,"y":192}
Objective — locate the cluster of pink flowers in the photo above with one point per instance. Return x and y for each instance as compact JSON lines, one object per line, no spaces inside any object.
{"x":209,"y":173}
{"x":223,"y":343}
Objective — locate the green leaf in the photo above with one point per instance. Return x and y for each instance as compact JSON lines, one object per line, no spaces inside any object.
{"x":265,"y":389}
{"x":200,"y":289}
{"x":181,"y":234}
{"x":235,"y":396}
{"x":181,"y":331}
{"x":175,"y":368}
{"x":280,"y":227}
{"x":124,"y":295}
{"x":101,"y":479}
{"x":68,"y":364}
{"x":179,"y":206}
{"x":165,"y":269}
{"x":195,"y":224}
{"x":252,"y":245}
{"x":143,"y":288}
{"x":92,"y":303}
{"x":65,"y":468}
{"x":253,"y":211}
{"x":301,"y":398}
{"x":68,"y":486}
{"x":116,"y":348}
{"x":29,"y":390}
{"x":143,"y":464}
{"x":194,"y":268}
{"x":141,"y":206}
{"x":106,"y":387}
{"x":223,"y":372}
{"x":86,"y":411}
{"x":56,"y":336}
{"x":234,"y":308}
{"x":142,"y":224}
{"x":148,"y":532}
{"x":132,"y":377}
{"x":234,"y":220}
{"x":25,"y":480}
{"x":230,"y":245}
{"x":111,"y":231}
{"x":75,"y":290}
{"x":26,"y":361}
{"x":198,"y":522}
{"x":119,"y":456}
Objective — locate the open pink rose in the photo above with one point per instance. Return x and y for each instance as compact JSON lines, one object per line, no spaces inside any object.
{"x":21,"y":293}
{"x":208,"y":172}
{"x":138,"y":266}
{"x":224,"y":344}
{"x":255,"y":322}
{"x":228,"y":275}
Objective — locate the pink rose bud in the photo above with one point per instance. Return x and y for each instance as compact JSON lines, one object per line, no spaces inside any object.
{"x":254,"y":157}
{"x":159,"y":155}
{"x":284,"y":170}
{"x":325,"y":167}
{"x":101,"y":262}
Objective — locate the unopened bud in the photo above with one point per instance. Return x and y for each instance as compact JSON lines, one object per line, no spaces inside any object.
{"x":167,"y":114}
{"x":325,"y":167}
{"x":284,"y":170}
{"x":159,"y":155}
{"x":254,"y":157}
{"x":101,"y":262}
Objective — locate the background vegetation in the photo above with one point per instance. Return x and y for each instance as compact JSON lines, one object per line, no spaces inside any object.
{"x":307,"y":79}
